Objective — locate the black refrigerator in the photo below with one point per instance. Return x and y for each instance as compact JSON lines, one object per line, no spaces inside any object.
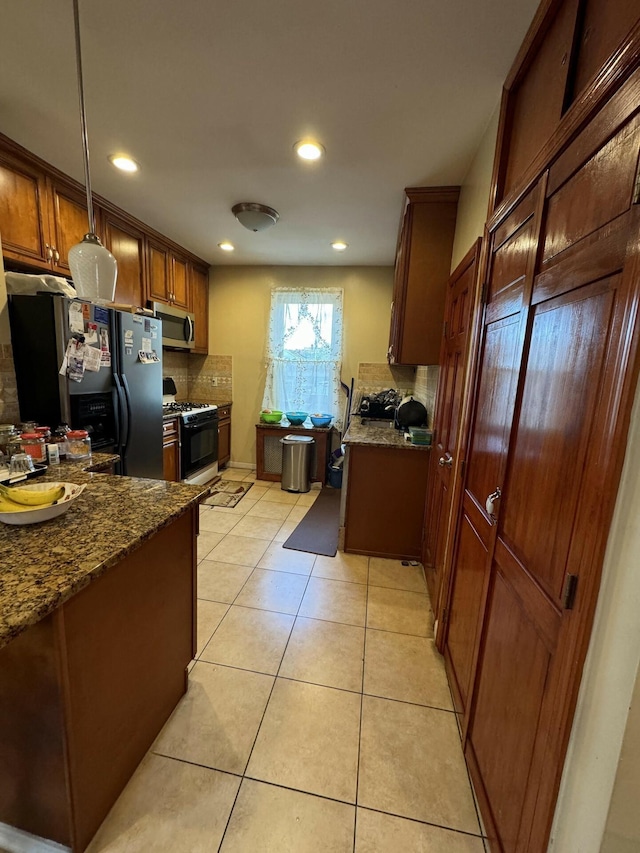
{"x":119,"y":402}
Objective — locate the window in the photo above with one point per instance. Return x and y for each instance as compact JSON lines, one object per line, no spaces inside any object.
{"x":304,"y":351}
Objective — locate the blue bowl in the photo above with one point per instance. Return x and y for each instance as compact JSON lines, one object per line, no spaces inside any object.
{"x":296,"y":418}
{"x":321,"y":420}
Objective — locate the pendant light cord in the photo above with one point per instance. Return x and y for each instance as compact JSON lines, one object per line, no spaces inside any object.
{"x":83,"y":119}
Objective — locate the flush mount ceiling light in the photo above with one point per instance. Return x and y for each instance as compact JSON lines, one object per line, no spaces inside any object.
{"x":339,"y":245}
{"x":308,"y":150}
{"x":255,"y":217}
{"x":226,"y":246}
{"x":123,"y":162}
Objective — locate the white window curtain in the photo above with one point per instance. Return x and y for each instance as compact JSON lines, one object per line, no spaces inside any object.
{"x":304,"y":351}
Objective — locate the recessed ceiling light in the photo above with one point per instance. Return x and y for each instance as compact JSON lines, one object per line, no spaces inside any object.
{"x":309,"y":150}
{"x":339,"y":245}
{"x":123,"y":162}
{"x":226,"y":246}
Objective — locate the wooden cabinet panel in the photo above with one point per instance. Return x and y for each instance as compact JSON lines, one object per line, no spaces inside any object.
{"x":126,"y":244}
{"x":171,"y":450}
{"x":224,"y":441}
{"x":159,"y":271}
{"x":269,"y":451}
{"x":386,"y":491}
{"x":70,"y":222}
{"x":24,"y":219}
{"x":199,"y":288}
{"x":423,"y":263}
{"x":179,"y":282}
{"x":536,"y":102}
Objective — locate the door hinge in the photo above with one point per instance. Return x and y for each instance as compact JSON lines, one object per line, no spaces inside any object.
{"x":484,"y":293}
{"x":569,"y":591}
{"x":445,"y":616}
{"x":444,"y":330}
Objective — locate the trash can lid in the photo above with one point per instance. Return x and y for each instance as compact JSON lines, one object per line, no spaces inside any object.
{"x":297,"y":439}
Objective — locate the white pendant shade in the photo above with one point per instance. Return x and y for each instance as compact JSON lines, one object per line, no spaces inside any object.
{"x":94,"y":270}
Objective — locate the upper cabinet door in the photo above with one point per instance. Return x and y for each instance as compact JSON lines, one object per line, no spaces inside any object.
{"x":69,"y":224}
{"x":126,"y":244}
{"x":158,"y":266}
{"x":199,"y":284}
{"x":179,"y":282}
{"x":24,"y":221}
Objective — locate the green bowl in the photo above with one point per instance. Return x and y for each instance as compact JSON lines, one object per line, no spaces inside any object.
{"x":272,"y":417}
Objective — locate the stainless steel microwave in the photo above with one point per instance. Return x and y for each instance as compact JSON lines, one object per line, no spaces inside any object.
{"x":178,"y":326}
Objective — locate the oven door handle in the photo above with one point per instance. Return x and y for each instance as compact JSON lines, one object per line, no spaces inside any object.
{"x":201,"y":425}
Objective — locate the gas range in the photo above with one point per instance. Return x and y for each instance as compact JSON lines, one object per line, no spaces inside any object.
{"x":189,"y":412}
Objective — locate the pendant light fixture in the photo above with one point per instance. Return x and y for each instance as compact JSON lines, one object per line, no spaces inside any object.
{"x":93,"y":267}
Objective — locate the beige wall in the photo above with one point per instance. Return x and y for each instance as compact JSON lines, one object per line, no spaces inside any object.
{"x":474,"y":194}
{"x":239,"y":300}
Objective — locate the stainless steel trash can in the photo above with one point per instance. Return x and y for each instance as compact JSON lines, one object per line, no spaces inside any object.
{"x":296,"y":462}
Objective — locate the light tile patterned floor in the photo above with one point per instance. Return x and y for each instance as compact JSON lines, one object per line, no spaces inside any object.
{"x":318,"y":715}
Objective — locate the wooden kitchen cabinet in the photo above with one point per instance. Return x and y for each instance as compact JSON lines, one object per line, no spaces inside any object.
{"x":171,"y":450}
{"x":423,"y":261}
{"x":199,"y":287}
{"x":386,"y":493}
{"x":43,"y":213}
{"x":269,"y":450}
{"x":126,"y":244}
{"x":224,"y":433}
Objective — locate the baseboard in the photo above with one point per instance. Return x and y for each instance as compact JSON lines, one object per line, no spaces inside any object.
{"x":18,"y":841}
{"x":249,"y":465}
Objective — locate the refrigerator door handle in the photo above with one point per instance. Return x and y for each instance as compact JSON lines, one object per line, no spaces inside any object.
{"x":127,"y":397}
{"x":124,"y":414}
{"x":116,"y":408}
{"x":188,"y":329}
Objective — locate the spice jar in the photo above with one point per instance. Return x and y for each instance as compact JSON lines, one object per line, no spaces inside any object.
{"x":78,"y":445}
{"x":43,"y":432}
{"x":7,"y":432}
{"x":27,"y":426}
{"x":60,"y":438}
{"x":34,"y":445}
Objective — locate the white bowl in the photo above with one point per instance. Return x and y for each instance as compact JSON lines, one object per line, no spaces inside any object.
{"x":36,"y":514}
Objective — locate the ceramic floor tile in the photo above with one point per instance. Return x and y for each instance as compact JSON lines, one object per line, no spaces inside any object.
{"x":269,"y":509}
{"x":342,"y":567}
{"x":241,"y":508}
{"x":411,"y":764}
{"x":258,"y":491}
{"x":391,"y":573}
{"x":282,"y":559}
{"x":399,"y":666}
{"x":241,"y":550}
{"x":307,"y":499}
{"x":250,"y":639}
{"x":280,"y":497}
{"x":384,"y":833}
{"x":221,"y":581}
{"x":233,"y":474}
{"x":206,"y":542}
{"x":168,"y":807}
{"x":257,"y":528}
{"x":269,"y":819}
{"x":215,"y":723}
{"x":251,"y":476}
{"x":400,"y":611}
{"x":216,"y":522}
{"x":308,"y":740}
{"x":325,"y":653}
{"x":279,"y":591}
{"x":335,"y":601}
{"x":297,"y":513}
{"x":285,"y":531}
{"x":209,"y":616}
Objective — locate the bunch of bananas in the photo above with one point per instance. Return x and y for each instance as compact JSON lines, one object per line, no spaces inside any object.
{"x":19,"y":500}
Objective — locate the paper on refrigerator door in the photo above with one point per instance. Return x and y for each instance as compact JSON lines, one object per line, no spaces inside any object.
{"x":92,"y":359}
{"x":76,"y":318}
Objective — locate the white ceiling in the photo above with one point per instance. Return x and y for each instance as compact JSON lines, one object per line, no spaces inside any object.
{"x":210,"y":96}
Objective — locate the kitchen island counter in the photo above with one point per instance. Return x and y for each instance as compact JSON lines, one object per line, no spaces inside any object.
{"x":43,"y":565}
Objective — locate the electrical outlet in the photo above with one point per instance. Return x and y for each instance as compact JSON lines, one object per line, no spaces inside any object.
{"x":214,"y":381}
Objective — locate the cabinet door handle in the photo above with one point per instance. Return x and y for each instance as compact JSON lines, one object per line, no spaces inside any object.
{"x":490,"y":504}
{"x":49,"y":251}
{"x":446,"y":461}
{"x":56,"y":255}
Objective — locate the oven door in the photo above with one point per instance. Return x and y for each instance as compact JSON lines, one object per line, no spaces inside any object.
{"x":199,"y":446}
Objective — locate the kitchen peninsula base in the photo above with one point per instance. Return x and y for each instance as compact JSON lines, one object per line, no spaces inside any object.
{"x":85,"y":691}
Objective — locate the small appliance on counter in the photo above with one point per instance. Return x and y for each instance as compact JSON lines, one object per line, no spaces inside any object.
{"x":198,"y":435}
{"x":410,"y":413}
{"x":380,"y":406}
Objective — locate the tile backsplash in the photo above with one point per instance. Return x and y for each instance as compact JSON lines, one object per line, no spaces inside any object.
{"x":210,"y":378}
{"x":420,"y":382}
{"x":9,"y":411}
{"x":176,"y":365}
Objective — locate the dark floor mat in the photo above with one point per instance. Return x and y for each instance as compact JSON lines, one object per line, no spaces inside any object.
{"x":317,"y":533}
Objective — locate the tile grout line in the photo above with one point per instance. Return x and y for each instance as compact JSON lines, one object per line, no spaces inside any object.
{"x":244,"y":776}
{"x":364,"y":654}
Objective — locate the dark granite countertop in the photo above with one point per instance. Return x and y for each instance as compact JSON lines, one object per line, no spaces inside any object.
{"x":43,"y":565}
{"x":374,"y":436}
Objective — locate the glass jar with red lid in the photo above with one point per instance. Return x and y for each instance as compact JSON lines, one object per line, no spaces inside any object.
{"x":78,"y":445}
{"x":34,"y":445}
